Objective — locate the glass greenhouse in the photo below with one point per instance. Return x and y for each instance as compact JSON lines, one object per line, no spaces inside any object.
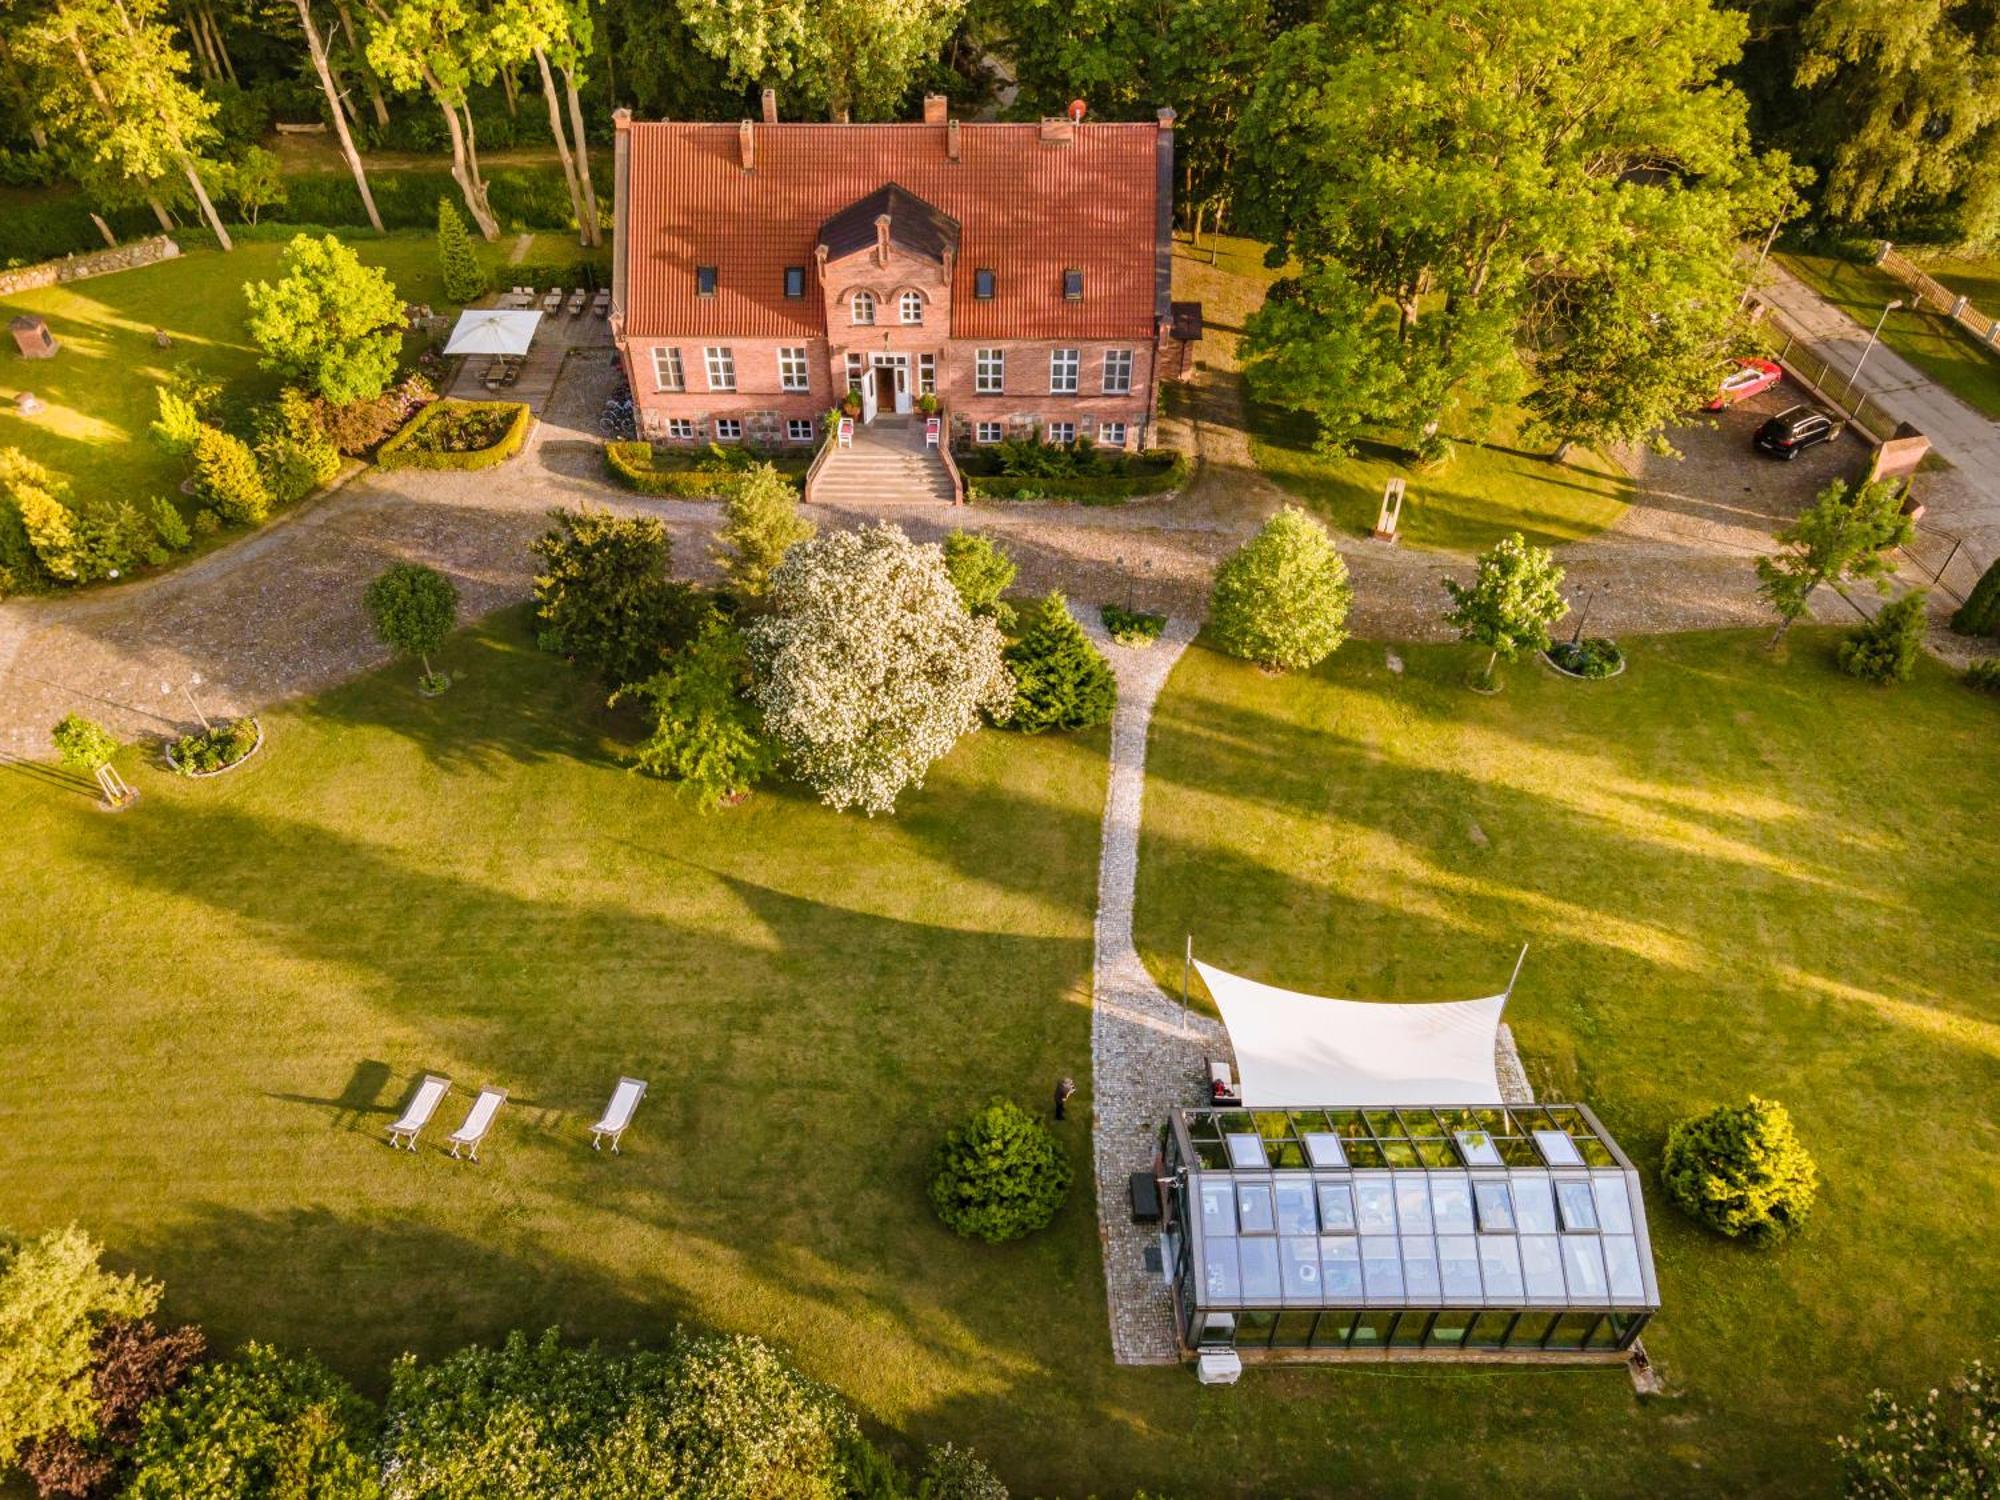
{"x":1439,"y":1233}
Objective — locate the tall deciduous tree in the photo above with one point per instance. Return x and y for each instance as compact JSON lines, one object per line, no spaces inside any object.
{"x":114,"y":82}
{"x":1282,"y":597}
{"x":1511,"y":602}
{"x":556,"y":32}
{"x":1842,"y":535}
{"x":1451,"y":174}
{"x":329,"y":321}
{"x":848,"y":57}
{"x":336,"y":107}
{"x":444,"y":47}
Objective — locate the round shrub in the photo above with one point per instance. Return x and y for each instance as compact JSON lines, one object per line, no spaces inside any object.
{"x":1741,"y":1171}
{"x":1281,"y":599}
{"x":1000,"y":1175}
{"x":82,"y":744}
{"x":413,"y":609}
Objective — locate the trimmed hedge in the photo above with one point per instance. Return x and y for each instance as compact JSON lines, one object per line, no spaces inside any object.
{"x":399,"y":452}
{"x":636,"y":465}
{"x":1084,"y":489}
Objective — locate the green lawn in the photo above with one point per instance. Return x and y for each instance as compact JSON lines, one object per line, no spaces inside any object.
{"x":98,"y":390}
{"x":1929,"y":340}
{"x":1736,"y":874}
{"x":1498,"y":482}
{"x":1490,"y":487}
{"x":1974,"y":277}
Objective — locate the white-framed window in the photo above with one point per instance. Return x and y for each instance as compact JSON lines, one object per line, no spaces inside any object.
{"x":728,"y":430}
{"x":989,"y":371}
{"x":1064,"y":367}
{"x":792,"y":370}
{"x":926,"y":374}
{"x":681,"y":428}
{"x":799,"y":429}
{"x":855,"y":366}
{"x":1062,"y":433}
{"x":862,"y":307}
{"x":1117,"y":371}
{"x":910,"y":307}
{"x":667,"y":372}
{"x":721,"y":363}
{"x":987,"y":432}
{"x":1110,"y":434}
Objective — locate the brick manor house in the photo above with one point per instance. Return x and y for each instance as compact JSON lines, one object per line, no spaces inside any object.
{"x":1018,"y":272}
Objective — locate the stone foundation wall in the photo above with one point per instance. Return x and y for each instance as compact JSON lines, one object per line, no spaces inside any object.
{"x":144,"y":252}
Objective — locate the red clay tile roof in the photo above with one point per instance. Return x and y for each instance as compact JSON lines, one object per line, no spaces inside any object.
{"x":1026,"y":210}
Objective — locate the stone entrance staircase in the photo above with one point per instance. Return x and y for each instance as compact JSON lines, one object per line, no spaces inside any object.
{"x":889,"y":464}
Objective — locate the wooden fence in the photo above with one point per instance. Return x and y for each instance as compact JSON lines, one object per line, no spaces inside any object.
{"x":1936,"y":294}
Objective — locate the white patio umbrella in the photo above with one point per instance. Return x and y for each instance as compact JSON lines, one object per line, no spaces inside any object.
{"x":484,"y":330}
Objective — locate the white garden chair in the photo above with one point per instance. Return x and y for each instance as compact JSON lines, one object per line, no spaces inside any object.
{"x":477,"y":1122}
{"x":423,"y":1104}
{"x":618,"y":1113}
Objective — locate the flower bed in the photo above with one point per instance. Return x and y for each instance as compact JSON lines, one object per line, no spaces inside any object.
{"x":1083,"y":474}
{"x":692,"y":474}
{"x":458,"y":435}
{"x":1132,"y":627}
{"x":222,"y":747}
{"x":1593,"y":658}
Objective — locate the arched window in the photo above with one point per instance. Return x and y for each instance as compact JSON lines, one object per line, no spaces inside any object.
{"x":863,"y":307}
{"x":913,"y":307}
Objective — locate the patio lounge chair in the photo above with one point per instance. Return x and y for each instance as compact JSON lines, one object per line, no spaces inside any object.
{"x":552,"y":303}
{"x":576,"y":299}
{"x":618,"y":1113}
{"x":601,"y":303}
{"x":423,"y":1104}
{"x":478,"y":1121}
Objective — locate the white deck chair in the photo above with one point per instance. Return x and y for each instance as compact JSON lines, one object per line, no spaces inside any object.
{"x":423,"y":1104}
{"x":618,"y":1113}
{"x":478,"y":1121}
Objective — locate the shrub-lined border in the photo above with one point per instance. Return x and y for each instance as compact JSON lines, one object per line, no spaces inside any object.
{"x":631,"y":464}
{"x":397,"y":454}
{"x":1082,"y":489}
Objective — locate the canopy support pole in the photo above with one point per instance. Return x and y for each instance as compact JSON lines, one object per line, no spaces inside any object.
{"x":1187,"y":957}
{"x":1517,"y":971}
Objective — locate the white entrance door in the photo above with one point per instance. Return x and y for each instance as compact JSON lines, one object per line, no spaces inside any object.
{"x":905,"y":400}
{"x":868,"y":397}
{"x":894,"y":370}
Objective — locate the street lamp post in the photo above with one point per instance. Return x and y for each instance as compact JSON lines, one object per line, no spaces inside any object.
{"x":193,"y":681}
{"x":1873,"y":334}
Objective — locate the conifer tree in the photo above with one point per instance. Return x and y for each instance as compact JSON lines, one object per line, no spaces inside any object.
{"x":1061,"y":680}
{"x":463,"y":279}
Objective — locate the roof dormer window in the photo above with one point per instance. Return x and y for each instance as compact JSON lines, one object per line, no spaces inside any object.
{"x":1073,"y":285}
{"x":795,"y":281}
{"x":982,"y":285}
{"x":704,"y":281}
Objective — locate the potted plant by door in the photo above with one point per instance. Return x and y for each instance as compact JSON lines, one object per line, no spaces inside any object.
{"x":851,"y":403}
{"x":927,"y":404}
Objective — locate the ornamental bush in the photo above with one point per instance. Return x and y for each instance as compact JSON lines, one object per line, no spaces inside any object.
{"x":1132,"y":627}
{"x":175,"y":428}
{"x":413,"y":609}
{"x":227,"y":478}
{"x":1061,"y":680}
{"x":1741,"y":1171}
{"x":132,"y":1364}
{"x":706,"y":733}
{"x":1946,"y":1447}
{"x":1980,"y":614}
{"x":221,"y":745}
{"x":1887,"y":648}
{"x":760,"y":524}
{"x":459,"y":266}
{"x":1281,"y":599}
{"x":329,"y":322}
{"x":869,"y":667}
{"x":54,"y":1302}
{"x":294,"y":454}
{"x":1984,"y":675}
{"x":169,"y":525}
{"x":953,"y":1473}
{"x":263,"y":1423}
{"x":1001,"y":1175}
{"x":981,"y":571}
{"x":603,"y":596}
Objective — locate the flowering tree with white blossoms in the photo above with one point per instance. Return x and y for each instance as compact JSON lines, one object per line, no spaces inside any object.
{"x":868,"y":665}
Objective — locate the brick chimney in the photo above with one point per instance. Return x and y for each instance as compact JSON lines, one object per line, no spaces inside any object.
{"x":936,"y":107}
{"x":951,"y":139}
{"x":621,"y":119}
{"x":1058,"y":130}
{"x":746,"y":140}
{"x":770,"y":106}
{"x":882,"y":239}
{"x":1167,"y":119}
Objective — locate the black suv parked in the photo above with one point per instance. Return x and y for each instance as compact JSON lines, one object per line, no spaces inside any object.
{"x":1792,"y":431}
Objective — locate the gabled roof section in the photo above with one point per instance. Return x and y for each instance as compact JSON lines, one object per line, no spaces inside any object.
{"x":913,"y":224}
{"x":1024,"y":209}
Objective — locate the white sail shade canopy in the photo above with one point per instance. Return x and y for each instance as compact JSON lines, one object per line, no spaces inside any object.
{"x":1302,"y":1051}
{"x":488,"y":330}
